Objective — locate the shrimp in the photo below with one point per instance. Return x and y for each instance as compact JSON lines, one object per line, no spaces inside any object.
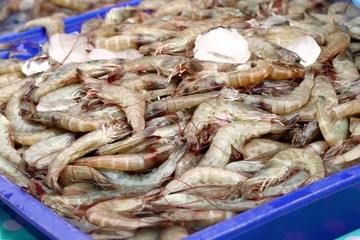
{"x":244,"y":166}
{"x":52,"y":24}
{"x":281,"y":165}
{"x":259,"y":147}
{"x":73,"y":174}
{"x":322,"y":87}
{"x":8,"y":78}
{"x":197,"y":220}
{"x":10,"y":66}
{"x":7,"y":150}
{"x":118,"y":14}
{"x":349,"y":156}
{"x":346,"y":109}
{"x":284,"y":104}
{"x":70,"y":121}
{"x":201,"y":176}
{"x":258,"y":72}
{"x":78,"y":148}
{"x":310,"y":132}
{"x":334,"y":132}
{"x":142,"y":184}
{"x":174,"y":104}
{"x":123,"y":42}
{"x":346,"y":71}
{"x":215,"y":110}
{"x":9,"y":90}
{"x":174,"y":8}
{"x":123,"y":146}
{"x":152,"y":4}
{"x":354,"y":127}
{"x":175,"y":232}
{"x":188,"y":161}
{"x":149,"y":81}
{"x":339,"y":41}
{"x":63,"y":76}
{"x":113,"y":213}
{"x":129,"y":162}
{"x":13,"y":110}
{"x":280,"y":72}
{"x":132,"y":102}
{"x":30,"y":138}
{"x":319,"y":147}
{"x":78,"y":6}
{"x":16,"y":176}
{"x":39,"y":155}
{"x":234,"y":135}
{"x":319,"y":34}
{"x":195,"y":202}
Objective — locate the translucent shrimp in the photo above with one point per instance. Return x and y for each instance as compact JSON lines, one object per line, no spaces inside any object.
{"x":78,"y":148}
{"x":7,"y":150}
{"x":13,"y":110}
{"x":9,"y":90}
{"x":175,"y":232}
{"x":259,"y":147}
{"x":346,"y":109}
{"x":280,"y":72}
{"x":39,"y":155}
{"x":281,"y":165}
{"x":345,"y":68}
{"x":132,"y":102}
{"x":30,"y":138}
{"x":15,"y":175}
{"x":310,"y":132}
{"x":201,"y":176}
{"x":74,"y":174}
{"x":113,"y":213}
{"x":174,"y":104}
{"x":129,"y":162}
{"x":244,"y":166}
{"x":339,"y":41}
{"x":334,"y":132}
{"x":123,"y":42}
{"x":53,"y":24}
{"x":218,"y":110}
{"x":142,"y":184}
{"x":234,"y":135}
{"x":259,"y":70}
{"x":8,"y":78}
{"x":284,"y":104}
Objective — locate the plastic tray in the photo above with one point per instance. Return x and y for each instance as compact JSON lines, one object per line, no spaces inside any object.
{"x":326,"y":209}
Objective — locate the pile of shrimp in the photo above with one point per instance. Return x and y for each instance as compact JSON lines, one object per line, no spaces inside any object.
{"x":162,"y":145}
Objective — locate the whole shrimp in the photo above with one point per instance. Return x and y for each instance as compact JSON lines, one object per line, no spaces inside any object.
{"x":78,"y":148}
{"x":333,"y":131}
{"x":284,"y":104}
{"x":30,"y":138}
{"x":142,"y":184}
{"x":234,"y":135}
{"x":202,"y":176}
{"x":217,"y":110}
{"x":339,"y":41}
{"x":281,"y":165}
{"x":7,"y":150}
{"x":76,"y":174}
{"x":174,"y":232}
{"x":113,"y":213}
{"x":261,"y":147}
{"x":132,"y":102}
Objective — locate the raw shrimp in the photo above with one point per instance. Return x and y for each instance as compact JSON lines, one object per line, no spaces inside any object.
{"x":149,"y":81}
{"x":39,"y":155}
{"x":188,"y":161}
{"x":129,"y":162}
{"x":260,"y":147}
{"x":284,"y":104}
{"x":123,"y":42}
{"x":15,"y":175}
{"x":333,"y":131}
{"x":218,"y":110}
{"x":13,"y":110}
{"x":142,"y":184}
{"x":78,"y":148}
{"x":7,"y":150}
{"x":113,"y":213}
{"x":281,"y":165}
{"x":260,"y":69}
{"x":318,"y":147}
{"x":124,"y":145}
{"x":118,"y":14}
{"x":9,"y":90}
{"x":280,"y":72}
{"x":152,"y":4}
{"x":308,"y":134}
{"x":201,"y":176}
{"x":197,"y":220}
{"x":73,"y":174}
{"x":340,"y":159}
{"x":234,"y":135}
{"x":52,"y":24}
{"x":346,"y":71}
{"x":346,"y":109}
{"x":30,"y":138}
{"x":339,"y":41}
{"x":9,"y":78}
{"x":174,"y":104}
{"x":70,"y":121}
{"x":244,"y":166}
{"x":322,"y":87}
{"x":132,"y":102}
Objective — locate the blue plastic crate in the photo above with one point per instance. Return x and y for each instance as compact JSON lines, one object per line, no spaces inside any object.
{"x":326,"y":209}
